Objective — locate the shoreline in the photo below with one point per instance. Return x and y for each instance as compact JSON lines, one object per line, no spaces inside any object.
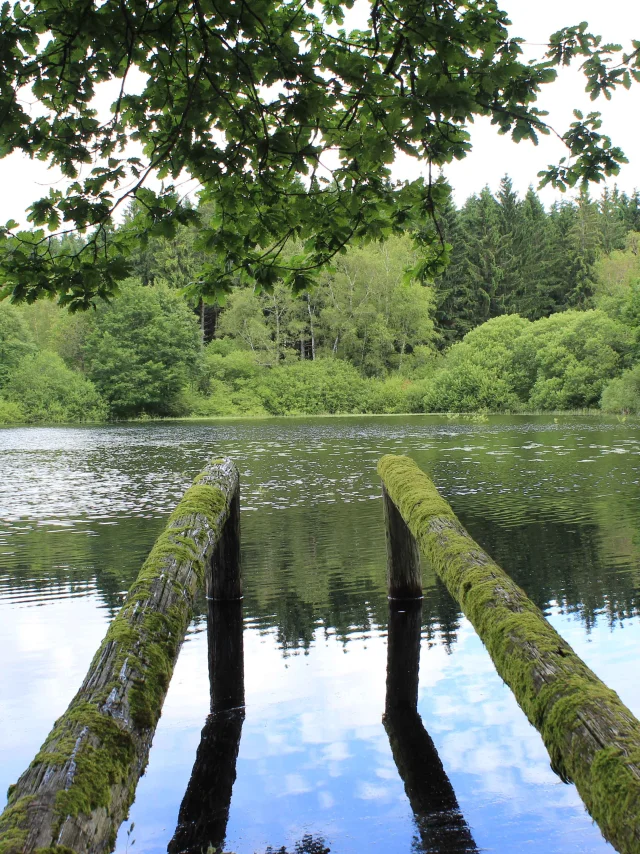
{"x":471,"y":417}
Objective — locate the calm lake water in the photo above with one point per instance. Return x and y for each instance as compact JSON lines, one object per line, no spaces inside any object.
{"x":554,"y":500}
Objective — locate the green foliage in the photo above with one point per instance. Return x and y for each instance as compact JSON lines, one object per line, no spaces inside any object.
{"x":512,"y":257}
{"x":145,"y":352}
{"x":368,"y":313}
{"x":508,"y":363}
{"x":483,"y":371}
{"x":265,"y":323}
{"x":409,"y":79}
{"x":227,"y":382}
{"x":142,"y":351}
{"x":16,"y":340}
{"x":622,"y":394}
{"x":468,"y":389}
{"x":11,"y":412}
{"x":44,"y":389}
{"x":392,"y":394}
{"x":575,"y":354}
{"x":322,"y":386}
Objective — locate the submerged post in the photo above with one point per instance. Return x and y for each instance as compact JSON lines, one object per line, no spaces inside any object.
{"x":404,"y":576}
{"x":79,"y":787}
{"x":439,"y":819}
{"x":204,"y":812}
{"x":224,"y":570}
{"x":592,"y":738}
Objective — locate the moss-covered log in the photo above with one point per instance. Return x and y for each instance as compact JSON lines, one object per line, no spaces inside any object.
{"x":592,"y":738}
{"x":78,"y":789}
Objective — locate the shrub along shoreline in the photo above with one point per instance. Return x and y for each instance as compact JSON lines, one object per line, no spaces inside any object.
{"x":574,"y":360}
{"x":364,"y":341}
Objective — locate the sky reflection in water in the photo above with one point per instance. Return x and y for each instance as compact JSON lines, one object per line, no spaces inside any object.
{"x":556,"y":502}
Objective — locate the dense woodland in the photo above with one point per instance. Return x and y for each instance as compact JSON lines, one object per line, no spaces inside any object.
{"x":537,"y":310}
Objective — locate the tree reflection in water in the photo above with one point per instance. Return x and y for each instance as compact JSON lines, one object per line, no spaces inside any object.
{"x":441,"y":826}
{"x":308,"y":845}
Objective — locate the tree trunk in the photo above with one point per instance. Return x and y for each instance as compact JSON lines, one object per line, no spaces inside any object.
{"x":313,"y":337}
{"x":78,"y":789}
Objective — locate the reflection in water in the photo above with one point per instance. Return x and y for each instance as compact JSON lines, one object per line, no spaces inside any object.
{"x":440,"y":823}
{"x":308,"y":845}
{"x":204,"y":813}
{"x":554,"y":501}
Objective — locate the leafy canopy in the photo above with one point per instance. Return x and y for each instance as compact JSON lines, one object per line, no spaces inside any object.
{"x":289,"y":123}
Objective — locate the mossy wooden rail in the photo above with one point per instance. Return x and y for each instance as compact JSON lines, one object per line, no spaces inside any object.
{"x":78,"y":789}
{"x":592,"y":738}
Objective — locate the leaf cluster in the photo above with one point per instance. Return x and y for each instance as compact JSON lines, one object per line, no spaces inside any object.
{"x":289,"y":124}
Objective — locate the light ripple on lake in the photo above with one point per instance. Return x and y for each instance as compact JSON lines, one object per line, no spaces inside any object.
{"x":555,"y":501}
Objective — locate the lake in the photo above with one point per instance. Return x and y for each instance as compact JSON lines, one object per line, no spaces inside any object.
{"x":555,"y":500}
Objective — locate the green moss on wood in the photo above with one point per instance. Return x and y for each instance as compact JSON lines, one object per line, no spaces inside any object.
{"x":97,"y":750}
{"x":518,"y":638}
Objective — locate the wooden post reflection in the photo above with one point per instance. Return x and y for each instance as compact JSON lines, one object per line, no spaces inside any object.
{"x":440,"y":823}
{"x":204,"y":812}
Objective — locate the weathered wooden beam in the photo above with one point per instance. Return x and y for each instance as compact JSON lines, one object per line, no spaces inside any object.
{"x":404,"y":575}
{"x":592,"y":738}
{"x":78,"y":789}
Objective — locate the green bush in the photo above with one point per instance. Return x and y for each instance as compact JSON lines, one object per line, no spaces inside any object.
{"x":559,"y":362}
{"x":222,"y":400}
{"x":223,"y":361}
{"x":483,"y":371}
{"x":469,"y":388}
{"x":390,"y":395}
{"x":575,"y":354}
{"x":314,"y":387}
{"x":11,"y":412}
{"x":45,"y":390}
{"x":623,"y":393}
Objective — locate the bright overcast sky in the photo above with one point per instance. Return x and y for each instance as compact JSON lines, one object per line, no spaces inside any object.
{"x":23,"y":180}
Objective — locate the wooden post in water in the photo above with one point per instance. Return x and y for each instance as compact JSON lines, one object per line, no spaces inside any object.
{"x":79,"y":787}
{"x":226,"y":655}
{"x":592,"y":738}
{"x":204,"y":812}
{"x":224,"y":571}
{"x":439,"y":820}
{"x":404,"y":576}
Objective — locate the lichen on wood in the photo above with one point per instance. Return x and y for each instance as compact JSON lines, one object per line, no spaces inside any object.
{"x":79,"y":787}
{"x":592,"y":738}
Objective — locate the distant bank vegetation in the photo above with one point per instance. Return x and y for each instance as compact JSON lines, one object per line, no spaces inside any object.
{"x":538,"y":310}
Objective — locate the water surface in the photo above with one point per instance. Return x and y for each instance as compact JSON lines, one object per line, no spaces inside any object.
{"x":554,"y":500}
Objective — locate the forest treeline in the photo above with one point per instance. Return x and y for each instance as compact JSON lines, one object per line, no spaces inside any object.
{"x":539,"y":309}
